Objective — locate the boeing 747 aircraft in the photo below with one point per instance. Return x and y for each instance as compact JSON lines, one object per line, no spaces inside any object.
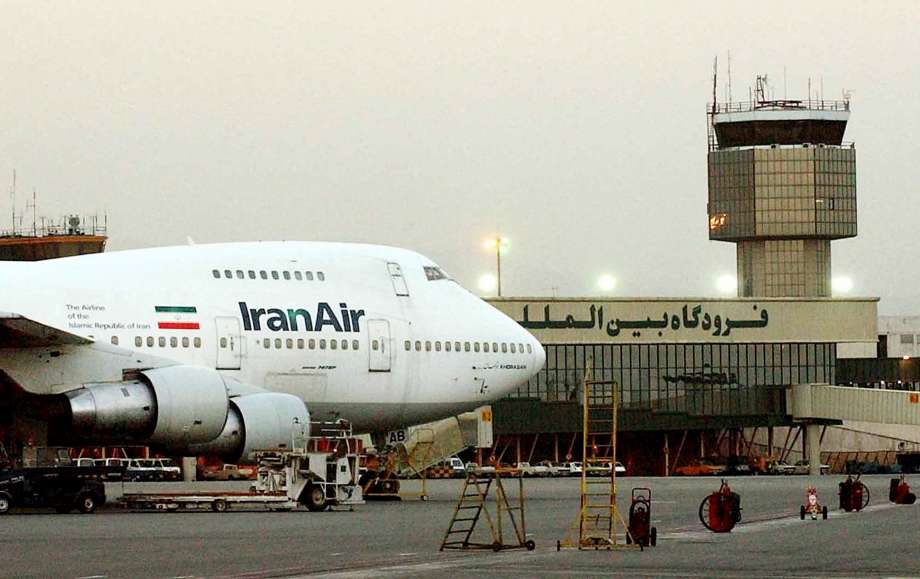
{"x":217,"y":349}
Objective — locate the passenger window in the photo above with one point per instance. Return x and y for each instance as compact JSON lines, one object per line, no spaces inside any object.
{"x":375,"y":345}
{"x":476,"y":346}
{"x":504,"y":348}
{"x":266,"y":343}
{"x":457,"y":346}
{"x":240,"y":274}
{"x":298,"y":276}
{"x":277,"y":343}
{"x":447,"y":346}
{"x":322,"y":344}
{"x":521,"y":348}
{"x":408,"y":345}
{"x":223,"y":342}
{"x":149,"y":341}
{"x":466,"y":346}
{"x":513,"y":348}
{"x":263,"y":274}
{"x":309,"y":275}
{"x":185,"y":342}
{"x":300,"y":343}
{"x":529,"y":349}
{"x":138,"y":342}
{"x":173,"y":342}
{"x":197,"y":342}
{"x":495,"y":347}
{"x":344,"y":344}
{"x":418,"y":346}
{"x":274,"y":275}
{"x":334,"y":344}
{"x":287,"y":275}
{"x":215,"y":273}
{"x":485,"y":346}
{"x":354,"y":344}
{"x":427,"y":346}
{"x":228,"y":274}
{"x":437,"y":346}
{"x":289,"y":343}
{"x":114,"y":340}
{"x":320,"y":276}
{"x":161,"y":342}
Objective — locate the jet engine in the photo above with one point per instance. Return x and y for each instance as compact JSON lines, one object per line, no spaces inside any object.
{"x":185,"y":409}
{"x":258,"y":421}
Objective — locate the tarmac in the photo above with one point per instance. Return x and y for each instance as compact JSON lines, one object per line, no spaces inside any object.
{"x":401,"y":539}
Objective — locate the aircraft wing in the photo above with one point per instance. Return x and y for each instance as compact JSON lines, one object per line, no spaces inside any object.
{"x":18,"y":331}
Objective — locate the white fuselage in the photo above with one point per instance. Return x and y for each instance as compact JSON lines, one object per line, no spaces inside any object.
{"x":376,"y":335}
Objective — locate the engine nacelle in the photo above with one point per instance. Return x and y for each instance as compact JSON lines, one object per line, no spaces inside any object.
{"x":257,"y":422}
{"x":175,"y":406}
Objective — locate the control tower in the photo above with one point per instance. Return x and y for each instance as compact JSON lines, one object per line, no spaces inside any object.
{"x":782,"y":186}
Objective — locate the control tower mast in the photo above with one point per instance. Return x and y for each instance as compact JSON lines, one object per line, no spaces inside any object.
{"x":782,"y":186}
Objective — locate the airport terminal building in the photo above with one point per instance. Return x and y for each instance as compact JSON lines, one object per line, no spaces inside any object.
{"x":694,"y":364}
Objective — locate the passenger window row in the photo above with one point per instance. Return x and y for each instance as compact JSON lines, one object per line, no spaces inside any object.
{"x":311,"y":344}
{"x":162,"y":342}
{"x":272,"y":274}
{"x":486,"y":347}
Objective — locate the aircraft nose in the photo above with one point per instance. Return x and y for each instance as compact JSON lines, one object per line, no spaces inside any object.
{"x":539,"y":355}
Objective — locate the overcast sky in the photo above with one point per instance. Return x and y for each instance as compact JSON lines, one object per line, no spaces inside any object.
{"x":577,"y":130}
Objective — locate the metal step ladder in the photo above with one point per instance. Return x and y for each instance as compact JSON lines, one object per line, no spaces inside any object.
{"x":598,"y":518}
{"x":472,"y":508}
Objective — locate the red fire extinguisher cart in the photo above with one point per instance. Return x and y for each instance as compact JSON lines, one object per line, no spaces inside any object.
{"x":721,"y":510}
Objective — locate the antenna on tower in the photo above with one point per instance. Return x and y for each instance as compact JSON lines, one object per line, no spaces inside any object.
{"x":729,"y":76}
{"x":715,"y":74}
{"x":13,"y":200}
{"x":32,"y":205}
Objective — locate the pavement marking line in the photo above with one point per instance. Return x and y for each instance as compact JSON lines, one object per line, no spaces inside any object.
{"x":425,"y":567}
{"x":765,"y":524}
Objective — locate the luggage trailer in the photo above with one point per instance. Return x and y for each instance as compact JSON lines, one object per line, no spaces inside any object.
{"x":317,"y":473}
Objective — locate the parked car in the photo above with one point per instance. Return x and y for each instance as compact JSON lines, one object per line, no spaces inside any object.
{"x":528,"y":469}
{"x":803,"y":467}
{"x":552,"y":468}
{"x":700,"y":467}
{"x":780,"y":467}
{"x":152,"y":469}
{"x":619,"y":468}
{"x":598,"y":469}
{"x":229,"y":472}
{"x":571,"y":468}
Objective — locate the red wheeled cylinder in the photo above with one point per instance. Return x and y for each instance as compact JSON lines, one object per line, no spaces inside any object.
{"x":854,"y":496}
{"x":721,"y":510}
{"x":641,"y":530}
{"x":899,"y":492}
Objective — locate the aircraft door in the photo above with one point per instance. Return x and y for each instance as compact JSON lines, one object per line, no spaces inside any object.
{"x":378,"y":336}
{"x":396,"y":276}
{"x":229,"y":345}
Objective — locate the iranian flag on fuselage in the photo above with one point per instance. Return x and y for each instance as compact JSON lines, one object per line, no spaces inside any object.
{"x":177,"y":318}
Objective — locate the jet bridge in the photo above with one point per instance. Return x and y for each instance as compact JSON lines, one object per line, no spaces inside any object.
{"x":817,"y":404}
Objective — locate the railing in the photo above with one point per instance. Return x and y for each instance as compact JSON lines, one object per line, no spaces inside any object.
{"x":777,"y":105}
{"x":67,"y":226}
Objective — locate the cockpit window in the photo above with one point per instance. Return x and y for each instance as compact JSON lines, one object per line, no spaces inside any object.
{"x":434,"y":273}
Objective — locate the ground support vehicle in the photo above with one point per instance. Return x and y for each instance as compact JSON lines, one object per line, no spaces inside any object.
{"x":641,"y":530}
{"x":229,"y":472}
{"x":721,"y":510}
{"x":62,"y":488}
{"x":317,"y":473}
{"x":812,"y":506}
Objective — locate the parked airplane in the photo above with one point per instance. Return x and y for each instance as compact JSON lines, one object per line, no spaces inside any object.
{"x":216,"y":349}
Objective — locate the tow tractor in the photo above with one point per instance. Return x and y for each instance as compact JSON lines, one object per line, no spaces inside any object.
{"x":62,"y":488}
{"x":318,"y":473}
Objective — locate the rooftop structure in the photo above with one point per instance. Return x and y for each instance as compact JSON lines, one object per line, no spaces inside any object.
{"x":73,"y":235}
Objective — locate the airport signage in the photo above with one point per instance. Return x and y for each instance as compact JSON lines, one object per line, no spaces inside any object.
{"x":694,"y":320}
